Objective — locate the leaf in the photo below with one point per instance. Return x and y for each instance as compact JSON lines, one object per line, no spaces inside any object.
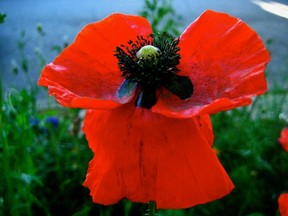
{"x":151,"y":5}
{"x":57,"y":48}
{"x":162,"y":12}
{"x":24,"y":65}
{"x":2,"y":17}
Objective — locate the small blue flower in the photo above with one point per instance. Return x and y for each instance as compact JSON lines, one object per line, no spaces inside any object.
{"x":53,"y":121}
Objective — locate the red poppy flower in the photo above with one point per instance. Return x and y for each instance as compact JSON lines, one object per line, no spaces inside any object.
{"x":283,"y":140}
{"x":148,"y":120}
{"x":283,"y":204}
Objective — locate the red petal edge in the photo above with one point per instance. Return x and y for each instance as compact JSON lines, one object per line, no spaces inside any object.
{"x":283,"y":204}
{"x":283,"y":139}
{"x":225,"y":59}
{"x":144,"y":156}
{"x":86,"y":74}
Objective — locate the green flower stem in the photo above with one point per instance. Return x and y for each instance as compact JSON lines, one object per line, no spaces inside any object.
{"x":152,"y":208}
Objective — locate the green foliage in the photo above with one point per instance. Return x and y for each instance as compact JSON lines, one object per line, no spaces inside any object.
{"x":34,"y":160}
{"x":2,"y":17}
{"x":21,"y":43}
{"x":162,"y":16}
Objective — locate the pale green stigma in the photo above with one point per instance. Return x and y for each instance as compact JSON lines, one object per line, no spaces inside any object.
{"x":148,"y":52}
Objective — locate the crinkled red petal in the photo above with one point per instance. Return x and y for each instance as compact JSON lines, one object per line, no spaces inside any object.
{"x":86,"y":73}
{"x":225,"y":59}
{"x":283,"y":204}
{"x":206,"y":128}
{"x":283,"y":139}
{"x":145,"y":156}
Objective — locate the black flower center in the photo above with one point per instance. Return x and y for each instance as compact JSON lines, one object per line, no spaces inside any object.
{"x":149,"y":64}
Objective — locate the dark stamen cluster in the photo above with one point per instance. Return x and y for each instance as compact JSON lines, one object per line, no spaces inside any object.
{"x":154,"y":71}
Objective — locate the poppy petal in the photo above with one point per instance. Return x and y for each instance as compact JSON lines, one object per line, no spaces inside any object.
{"x":144,"y":156}
{"x":283,"y":139}
{"x":205,"y":124}
{"x":283,"y":204}
{"x":225,"y":60}
{"x":86,"y":74}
